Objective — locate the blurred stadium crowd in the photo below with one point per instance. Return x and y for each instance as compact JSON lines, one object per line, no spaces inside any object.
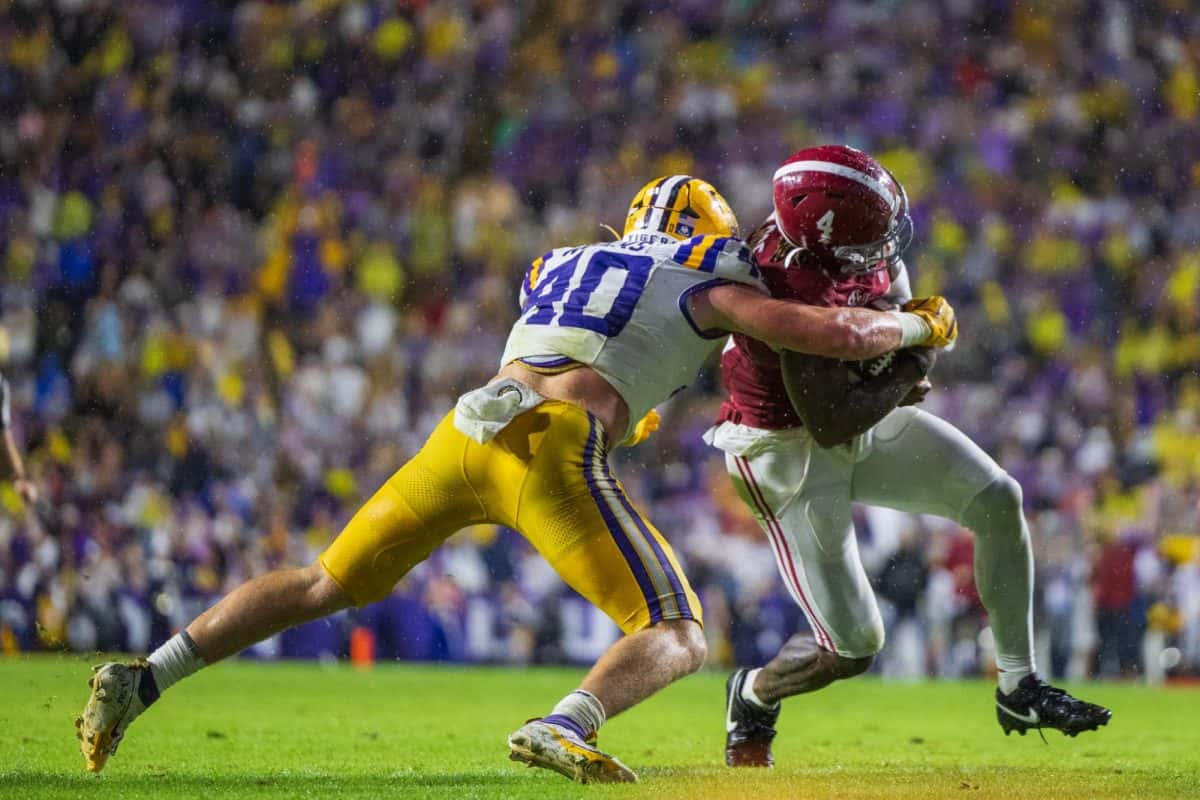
{"x":252,"y":251}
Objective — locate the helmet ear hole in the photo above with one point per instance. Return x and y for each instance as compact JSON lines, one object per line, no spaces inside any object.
{"x":798,"y":199}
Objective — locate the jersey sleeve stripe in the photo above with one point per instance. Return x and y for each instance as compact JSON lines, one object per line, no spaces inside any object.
{"x":709,"y":262}
{"x":693,"y":251}
{"x":534,"y":269}
{"x":686,"y":294}
{"x":548,"y":365}
{"x":697,"y":256}
{"x":684,"y":251}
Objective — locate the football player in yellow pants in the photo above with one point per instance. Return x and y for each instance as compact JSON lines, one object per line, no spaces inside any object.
{"x":607,"y":331}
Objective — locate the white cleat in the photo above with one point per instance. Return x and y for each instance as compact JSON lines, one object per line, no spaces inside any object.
{"x":114,"y":703}
{"x":540,"y":744}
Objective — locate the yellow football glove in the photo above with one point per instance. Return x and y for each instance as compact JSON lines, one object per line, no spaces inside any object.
{"x":646,"y":426}
{"x":939,"y":315}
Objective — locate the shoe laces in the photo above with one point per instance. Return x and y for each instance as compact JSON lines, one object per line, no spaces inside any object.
{"x":1059,"y":700}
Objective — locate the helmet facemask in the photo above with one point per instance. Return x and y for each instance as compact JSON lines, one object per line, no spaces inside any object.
{"x":863,"y":259}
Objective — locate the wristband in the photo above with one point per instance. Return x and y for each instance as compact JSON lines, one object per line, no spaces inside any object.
{"x":914,"y":330}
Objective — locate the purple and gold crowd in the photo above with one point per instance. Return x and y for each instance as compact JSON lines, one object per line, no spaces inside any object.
{"x":252,"y":251}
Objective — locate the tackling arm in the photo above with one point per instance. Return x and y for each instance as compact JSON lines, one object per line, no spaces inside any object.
{"x":851,"y":334}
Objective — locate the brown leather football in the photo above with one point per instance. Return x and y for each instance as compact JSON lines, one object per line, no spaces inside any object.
{"x":838,"y":400}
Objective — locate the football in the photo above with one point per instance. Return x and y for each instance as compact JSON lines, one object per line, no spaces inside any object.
{"x":838,"y":400}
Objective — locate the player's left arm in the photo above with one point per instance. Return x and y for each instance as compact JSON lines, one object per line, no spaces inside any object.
{"x":852,"y":334}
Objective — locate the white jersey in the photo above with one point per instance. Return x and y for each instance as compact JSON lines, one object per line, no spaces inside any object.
{"x":621,"y":308}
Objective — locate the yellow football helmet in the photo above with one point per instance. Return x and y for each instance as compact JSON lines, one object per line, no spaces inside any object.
{"x":681,"y":207}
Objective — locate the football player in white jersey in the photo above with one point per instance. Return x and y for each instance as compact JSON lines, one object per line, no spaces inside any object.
{"x":835,"y":239}
{"x":606,"y":332}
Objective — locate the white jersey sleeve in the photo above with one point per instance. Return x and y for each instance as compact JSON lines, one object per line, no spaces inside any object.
{"x":622,"y":309}
{"x":724,"y":257}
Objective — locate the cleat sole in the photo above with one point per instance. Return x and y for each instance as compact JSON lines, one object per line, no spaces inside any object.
{"x":1008,"y":725}
{"x":97,"y":744}
{"x":578,"y":767}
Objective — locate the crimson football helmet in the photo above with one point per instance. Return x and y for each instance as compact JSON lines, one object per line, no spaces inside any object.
{"x":841,"y":210}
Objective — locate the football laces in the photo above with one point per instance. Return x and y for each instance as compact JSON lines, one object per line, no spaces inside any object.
{"x":877,"y":366}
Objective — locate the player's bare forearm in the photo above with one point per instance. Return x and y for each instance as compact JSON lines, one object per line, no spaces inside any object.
{"x":16,"y":470}
{"x":14,"y":467}
{"x":851,"y":334}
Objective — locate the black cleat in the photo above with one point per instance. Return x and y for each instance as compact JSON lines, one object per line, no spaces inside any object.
{"x":1036,"y":704}
{"x":749,"y":729}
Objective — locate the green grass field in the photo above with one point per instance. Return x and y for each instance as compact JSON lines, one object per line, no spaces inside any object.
{"x":306,"y":730}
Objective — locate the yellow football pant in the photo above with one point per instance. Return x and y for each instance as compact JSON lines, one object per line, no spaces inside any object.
{"x":546,"y":475}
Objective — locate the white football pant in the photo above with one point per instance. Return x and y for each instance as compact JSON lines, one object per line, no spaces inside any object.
{"x":911,"y":461}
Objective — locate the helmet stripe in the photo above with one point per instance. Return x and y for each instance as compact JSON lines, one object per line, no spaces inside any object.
{"x":840,"y":170}
{"x":655,"y":222}
{"x":671,"y":200}
{"x":652,"y":191}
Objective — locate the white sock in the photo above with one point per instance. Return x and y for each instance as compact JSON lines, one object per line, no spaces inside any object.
{"x":583,"y":708}
{"x":748,"y":690}
{"x":174,"y":661}
{"x":1012,"y":671}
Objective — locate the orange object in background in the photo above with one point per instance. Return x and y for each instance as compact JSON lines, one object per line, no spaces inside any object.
{"x":362,"y":648}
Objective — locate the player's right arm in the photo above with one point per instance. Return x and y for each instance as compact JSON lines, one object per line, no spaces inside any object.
{"x":14,"y":466}
{"x":851,"y":334}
